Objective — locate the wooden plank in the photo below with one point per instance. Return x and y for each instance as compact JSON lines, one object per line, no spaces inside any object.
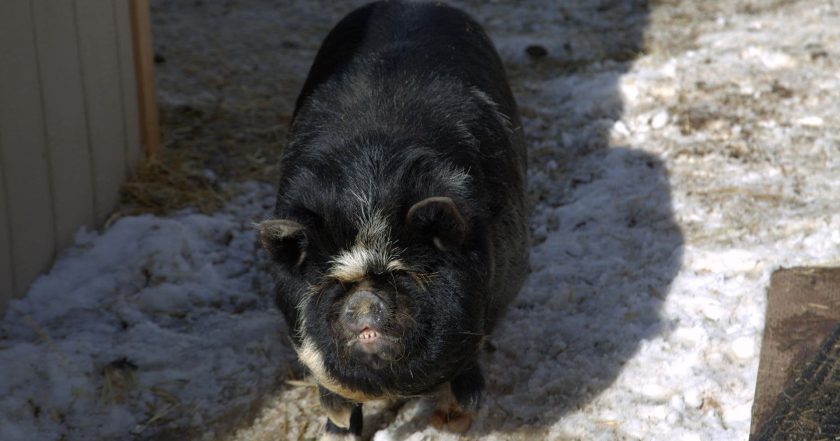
{"x":809,"y":408}
{"x":64,"y":115}
{"x":145,"y":68}
{"x":7,"y":275}
{"x":24,"y":149}
{"x":128,"y":81}
{"x":803,"y":309}
{"x":101,"y":76}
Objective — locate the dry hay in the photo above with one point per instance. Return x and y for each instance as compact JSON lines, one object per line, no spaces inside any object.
{"x":167,"y":184}
{"x":202,"y":151}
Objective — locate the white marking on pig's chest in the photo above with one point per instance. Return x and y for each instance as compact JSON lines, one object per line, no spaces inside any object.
{"x":312,"y":358}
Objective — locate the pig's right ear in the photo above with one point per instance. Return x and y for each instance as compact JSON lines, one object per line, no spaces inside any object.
{"x":440,"y":220}
{"x":285,"y":241}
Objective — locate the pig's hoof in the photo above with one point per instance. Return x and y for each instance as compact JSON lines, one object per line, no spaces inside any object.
{"x":453,"y":420}
{"x":339,"y":437}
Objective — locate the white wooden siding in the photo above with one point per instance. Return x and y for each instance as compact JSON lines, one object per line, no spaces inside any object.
{"x":69,"y":126}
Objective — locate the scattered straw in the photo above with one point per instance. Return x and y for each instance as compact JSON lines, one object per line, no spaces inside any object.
{"x":159,"y":415}
{"x":206,"y":147}
{"x":44,"y":336}
{"x":298,"y":383}
{"x":119,"y":378}
{"x":168,"y":184}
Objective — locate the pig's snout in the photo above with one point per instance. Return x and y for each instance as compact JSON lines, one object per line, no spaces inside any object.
{"x":363,"y":310}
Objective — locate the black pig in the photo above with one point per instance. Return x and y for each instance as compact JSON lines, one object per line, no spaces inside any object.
{"x":400,"y":232}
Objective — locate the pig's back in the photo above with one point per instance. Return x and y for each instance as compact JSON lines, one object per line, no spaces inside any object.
{"x":387,"y":53}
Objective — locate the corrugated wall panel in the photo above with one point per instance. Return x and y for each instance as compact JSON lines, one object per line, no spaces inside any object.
{"x":131,"y":111}
{"x":64,"y":115}
{"x":103,"y":99}
{"x":23,"y":146}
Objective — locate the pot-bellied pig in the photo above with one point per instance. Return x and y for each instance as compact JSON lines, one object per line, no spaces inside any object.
{"x":400,"y":231}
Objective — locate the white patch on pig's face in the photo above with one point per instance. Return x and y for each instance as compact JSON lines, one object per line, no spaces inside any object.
{"x":372,"y":250}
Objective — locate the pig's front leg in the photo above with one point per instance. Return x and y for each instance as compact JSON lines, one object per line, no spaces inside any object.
{"x":344,"y":417}
{"x":459,"y":400}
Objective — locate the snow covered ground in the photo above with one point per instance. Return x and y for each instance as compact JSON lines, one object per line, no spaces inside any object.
{"x":680,"y":151}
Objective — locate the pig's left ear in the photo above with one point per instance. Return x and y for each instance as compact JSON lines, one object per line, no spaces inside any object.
{"x":285,"y":241}
{"x":438,"y":218}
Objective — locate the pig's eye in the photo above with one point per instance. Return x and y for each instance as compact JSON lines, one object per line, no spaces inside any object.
{"x":438,"y":219}
{"x":285,"y":240}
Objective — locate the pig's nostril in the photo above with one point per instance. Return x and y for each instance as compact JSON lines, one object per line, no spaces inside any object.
{"x":347,"y":316}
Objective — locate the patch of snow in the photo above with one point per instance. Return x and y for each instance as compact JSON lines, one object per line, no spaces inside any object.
{"x":154,"y":320}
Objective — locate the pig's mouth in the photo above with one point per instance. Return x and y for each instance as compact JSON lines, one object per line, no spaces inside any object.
{"x":368,"y":335}
{"x":372,"y":342}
